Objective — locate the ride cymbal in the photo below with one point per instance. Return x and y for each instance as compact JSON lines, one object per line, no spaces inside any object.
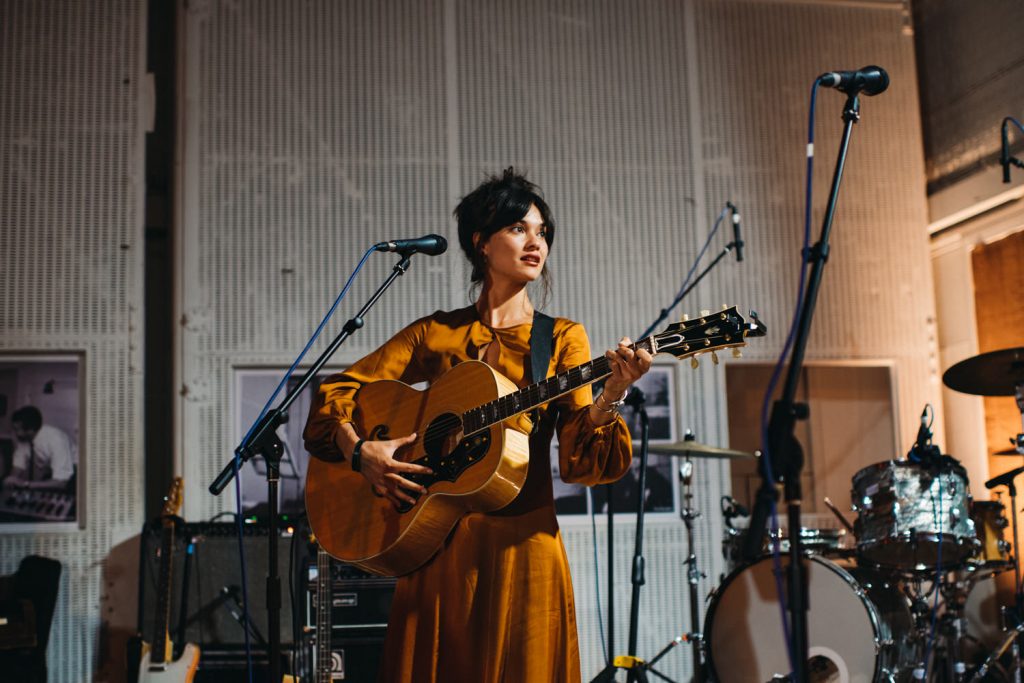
{"x":695,"y":449}
{"x":996,"y":373}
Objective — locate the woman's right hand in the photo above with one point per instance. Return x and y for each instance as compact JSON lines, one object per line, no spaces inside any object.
{"x":384,"y":472}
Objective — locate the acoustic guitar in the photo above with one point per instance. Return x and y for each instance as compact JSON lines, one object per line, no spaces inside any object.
{"x":467,"y":435}
{"x":158,"y":664}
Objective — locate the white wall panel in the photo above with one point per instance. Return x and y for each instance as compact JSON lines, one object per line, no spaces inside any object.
{"x":71,"y":251}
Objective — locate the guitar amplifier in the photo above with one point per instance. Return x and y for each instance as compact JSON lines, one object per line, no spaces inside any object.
{"x":359,"y":601}
{"x":355,"y":657}
{"x":213,"y":618}
{"x":360,"y":604}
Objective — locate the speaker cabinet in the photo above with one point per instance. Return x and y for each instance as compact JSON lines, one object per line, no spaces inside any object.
{"x":355,"y":656}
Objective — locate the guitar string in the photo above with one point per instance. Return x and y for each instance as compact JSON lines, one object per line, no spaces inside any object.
{"x":599,"y":368}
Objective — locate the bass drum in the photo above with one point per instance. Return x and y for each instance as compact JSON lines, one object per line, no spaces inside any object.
{"x":858,"y":632}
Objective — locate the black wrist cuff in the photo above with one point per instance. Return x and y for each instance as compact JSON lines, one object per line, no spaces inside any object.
{"x":357,"y":456}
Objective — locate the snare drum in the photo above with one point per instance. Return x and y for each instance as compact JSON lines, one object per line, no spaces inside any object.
{"x":911,"y":517}
{"x":827,"y":542}
{"x":858,"y":631}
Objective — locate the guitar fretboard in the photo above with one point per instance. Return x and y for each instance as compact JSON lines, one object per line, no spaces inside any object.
{"x":323,"y":616}
{"x":163,"y":613}
{"x":546,"y":390}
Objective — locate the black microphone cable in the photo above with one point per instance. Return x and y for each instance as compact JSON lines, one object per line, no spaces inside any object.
{"x":1005,"y":160}
{"x":248,"y":434}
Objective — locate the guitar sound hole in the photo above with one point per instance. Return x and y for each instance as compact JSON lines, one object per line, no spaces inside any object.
{"x":447,"y":457}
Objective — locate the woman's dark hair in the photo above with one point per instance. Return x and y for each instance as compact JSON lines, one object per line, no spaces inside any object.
{"x":497,"y":203}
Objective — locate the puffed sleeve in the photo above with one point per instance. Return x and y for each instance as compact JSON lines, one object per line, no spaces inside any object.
{"x":398,"y":358}
{"x":588,"y":454}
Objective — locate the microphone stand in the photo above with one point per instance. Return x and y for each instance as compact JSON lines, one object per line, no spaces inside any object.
{"x":784,"y":450}
{"x":665,"y":311}
{"x":635,"y":666}
{"x":264,"y":441}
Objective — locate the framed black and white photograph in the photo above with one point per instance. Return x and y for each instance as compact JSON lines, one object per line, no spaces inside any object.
{"x":41,"y":436}
{"x":659,"y":392}
{"x":253,"y":387}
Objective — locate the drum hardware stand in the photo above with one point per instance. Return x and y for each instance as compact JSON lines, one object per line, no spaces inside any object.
{"x":262,"y":440}
{"x":1015,"y":613}
{"x":783,"y":449}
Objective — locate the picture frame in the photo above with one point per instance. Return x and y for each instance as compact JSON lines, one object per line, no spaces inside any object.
{"x":42,"y":436}
{"x":253,"y":386}
{"x":660,"y":391}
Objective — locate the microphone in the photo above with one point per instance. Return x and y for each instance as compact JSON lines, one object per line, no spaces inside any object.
{"x":870,"y":80}
{"x":431,"y":245}
{"x":736,"y":231}
{"x":1005,"y":479}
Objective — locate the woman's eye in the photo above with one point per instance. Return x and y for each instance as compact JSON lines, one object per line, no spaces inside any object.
{"x":518,"y":228}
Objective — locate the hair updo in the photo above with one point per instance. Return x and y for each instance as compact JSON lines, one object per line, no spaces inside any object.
{"x":497,"y":203}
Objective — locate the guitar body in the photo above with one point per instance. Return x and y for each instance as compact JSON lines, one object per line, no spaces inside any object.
{"x":181,"y":671}
{"x":482,"y":473}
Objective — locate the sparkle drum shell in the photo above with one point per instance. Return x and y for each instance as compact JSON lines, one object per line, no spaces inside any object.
{"x":990,"y":524}
{"x":910,"y":517}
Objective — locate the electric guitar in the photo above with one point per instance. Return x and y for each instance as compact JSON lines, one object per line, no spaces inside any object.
{"x":324,"y":664}
{"x":465,"y":435}
{"x":158,"y":664}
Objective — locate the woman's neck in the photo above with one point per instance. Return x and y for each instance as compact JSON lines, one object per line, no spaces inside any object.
{"x":505,"y":306}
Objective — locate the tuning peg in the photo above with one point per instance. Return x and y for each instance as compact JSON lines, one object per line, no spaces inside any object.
{"x":694,"y":362}
{"x":737,"y":353}
{"x":725,"y":307}
{"x":714,"y":358}
{"x":704,"y":313}
{"x":686,"y":316}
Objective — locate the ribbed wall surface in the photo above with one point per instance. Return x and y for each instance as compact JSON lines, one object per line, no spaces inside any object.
{"x":315,"y":130}
{"x":70,"y":245}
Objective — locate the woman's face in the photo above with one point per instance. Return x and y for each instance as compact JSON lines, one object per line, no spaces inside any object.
{"x":517,"y":252}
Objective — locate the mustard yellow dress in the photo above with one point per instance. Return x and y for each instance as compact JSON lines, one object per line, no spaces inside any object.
{"x":496,"y":602}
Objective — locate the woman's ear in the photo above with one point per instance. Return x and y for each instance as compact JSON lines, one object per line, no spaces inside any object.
{"x":477,"y":237}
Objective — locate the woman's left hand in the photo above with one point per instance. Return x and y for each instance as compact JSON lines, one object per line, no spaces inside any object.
{"x":627,"y":367}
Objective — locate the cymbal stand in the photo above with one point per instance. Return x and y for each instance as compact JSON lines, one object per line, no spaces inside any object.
{"x":693,"y":574}
{"x":1018,"y":598}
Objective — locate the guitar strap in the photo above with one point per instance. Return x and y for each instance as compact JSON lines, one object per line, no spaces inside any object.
{"x":542,"y":342}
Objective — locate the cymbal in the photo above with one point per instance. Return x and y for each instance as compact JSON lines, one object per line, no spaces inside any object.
{"x":695,"y":449}
{"x":1008,"y":451}
{"x":996,"y":373}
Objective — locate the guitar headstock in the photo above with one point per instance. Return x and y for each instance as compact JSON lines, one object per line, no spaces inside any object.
{"x":709,"y":332}
{"x":172,"y":501}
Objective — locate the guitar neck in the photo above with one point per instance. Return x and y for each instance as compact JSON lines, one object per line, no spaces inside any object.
{"x":323,"y":616}
{"x":530,"y":397}
{"x":161,"y":640}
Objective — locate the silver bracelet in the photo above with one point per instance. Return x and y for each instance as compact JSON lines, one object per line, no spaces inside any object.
{"x":613,"y":406}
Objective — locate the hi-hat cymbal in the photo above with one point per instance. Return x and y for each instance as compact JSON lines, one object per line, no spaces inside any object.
{"x":695,"y":449}
{"x":996,"y":373}
{"x":1008,"y":451}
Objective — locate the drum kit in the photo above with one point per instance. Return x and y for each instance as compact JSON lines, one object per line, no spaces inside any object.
{"x":889,"y":594}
